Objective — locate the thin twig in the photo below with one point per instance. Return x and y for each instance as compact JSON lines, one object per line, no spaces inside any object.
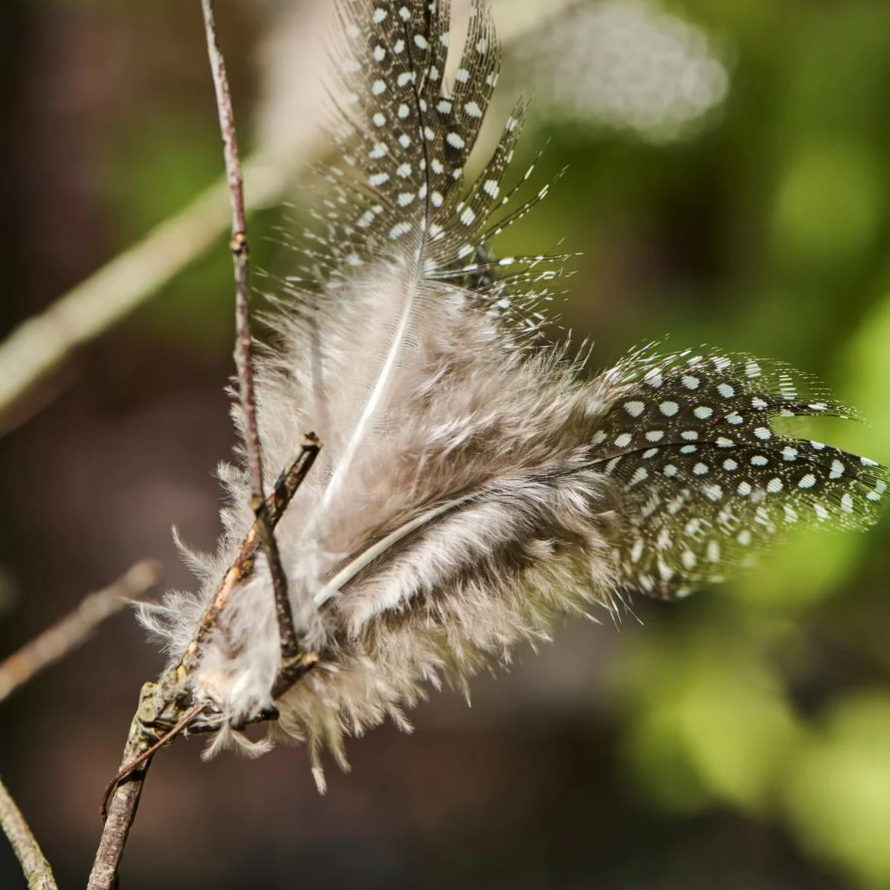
{"x":75,"y":628}
{"x":239,"y":247}
{"x":37,"y":870}
{"x":287,"y":633}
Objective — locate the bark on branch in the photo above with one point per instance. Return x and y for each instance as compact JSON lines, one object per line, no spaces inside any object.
{"x":37,"y":870}
{"x":51,"y":646}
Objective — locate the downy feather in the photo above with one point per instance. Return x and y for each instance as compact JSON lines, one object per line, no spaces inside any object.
{"x":473,"y":484}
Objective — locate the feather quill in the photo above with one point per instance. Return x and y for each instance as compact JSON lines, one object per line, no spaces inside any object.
{"x":473,"y":485}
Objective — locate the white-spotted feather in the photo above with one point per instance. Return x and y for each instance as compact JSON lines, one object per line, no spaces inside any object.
{"x":473,"y":484}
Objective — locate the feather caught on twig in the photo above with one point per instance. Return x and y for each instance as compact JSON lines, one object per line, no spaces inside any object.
{"x":473,"y":483}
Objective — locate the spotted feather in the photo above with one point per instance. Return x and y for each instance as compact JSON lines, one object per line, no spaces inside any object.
{"x":706,"y":479}
{"x":474,"y":483}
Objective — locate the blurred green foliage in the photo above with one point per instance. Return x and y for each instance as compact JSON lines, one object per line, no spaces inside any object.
{"x":837,"y":790}
{"x":153,"y":173}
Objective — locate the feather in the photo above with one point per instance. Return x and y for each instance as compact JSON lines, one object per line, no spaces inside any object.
{"x":474,"y":484}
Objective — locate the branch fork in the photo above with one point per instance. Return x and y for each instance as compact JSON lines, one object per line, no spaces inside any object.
{"x":167,"y":708}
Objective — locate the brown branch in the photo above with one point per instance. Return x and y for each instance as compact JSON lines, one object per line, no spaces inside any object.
{"x":122,"y":808}
{"x":146,"y":755}
{"x":287,"y":632}
{"x":164,"y":705}
{"x":37,"y":870}
{"x":75,"y":628}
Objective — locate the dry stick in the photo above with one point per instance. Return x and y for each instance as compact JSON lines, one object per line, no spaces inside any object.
{"x":53,"y":644}
{"x":37,"y":870}
{"x":121,"y":809}
{"x":239,"y":247}
{"x":75,"y":628}
{"x":290,"y":645}
{"x":165,"y":701}
{"x":146,"y":755}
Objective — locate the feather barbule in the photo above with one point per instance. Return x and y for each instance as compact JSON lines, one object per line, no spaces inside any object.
{"x":473,"y":484}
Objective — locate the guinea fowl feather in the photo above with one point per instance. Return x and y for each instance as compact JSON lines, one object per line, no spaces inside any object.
{"x":474,"y":484}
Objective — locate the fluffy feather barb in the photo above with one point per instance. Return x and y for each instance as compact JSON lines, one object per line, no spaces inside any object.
{"x":473,"y":485}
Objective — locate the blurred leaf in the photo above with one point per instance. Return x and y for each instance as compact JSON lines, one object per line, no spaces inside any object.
{"x":712,"y":723}
{"x":838,"y":789}
{"x":835,"y":64}
{"x":154,"y":171}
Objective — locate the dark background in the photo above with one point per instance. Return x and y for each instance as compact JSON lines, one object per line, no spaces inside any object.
{"x":736,"y":740}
